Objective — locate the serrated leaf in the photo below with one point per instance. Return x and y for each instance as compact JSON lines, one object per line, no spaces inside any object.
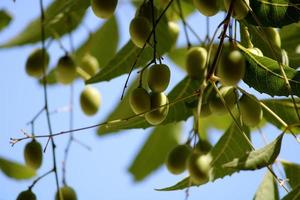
{"x":61,"y":17}
{"x":293,"y":195}
{"x":5,"y":19}
{"x":259,"y":158}
{"x":15,"y":170}
{"x":181,"y":185}
{"x":275,"y":13}
{"x":122,"y":62}
{"x":267,"y":190}
{"x":177,"y":112}
{"x":264,"y":74}
{"x":155,"y":150}
{"x":292,"y":173}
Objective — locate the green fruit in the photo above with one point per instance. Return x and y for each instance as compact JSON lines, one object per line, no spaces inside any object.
{"x":251,"y":110}
{"x":90,"y":100}
{"x":173,"y":30}
{"x":256,"y":51}
{"x":207,"y":7}
{"x":140,"y":101}
{"x":90,"y":64}
{"x":177,"y":158}
{"x":104,"y":8}
{"x":205,"y":110}
{"x":35,"y":65}
{"x":65,"y":70}
{"x":159,"y":115}
{"x":284,"y":57}
{"x":273,"y":36}
{"x":216,"y":105}
{"x":26,"y":195}
{"x":198,"y":166}
{"x":67,"y":193}
{"x":231,"y":68}
{"x":145,"y":10}
{"x":158,"y":77}
{"x":196,"y":63}
{"x":140,"y":29}
{"x":203,"y":147}
{"x":240,"y":8}
{"x":33,"y":154}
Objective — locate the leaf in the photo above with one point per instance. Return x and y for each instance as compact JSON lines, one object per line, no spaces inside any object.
{"x":102,"y":44}
{"x":259,"y":158}
{"x":122,"y":62}
{"x":177,"y":112}
{"x":15,"y":170}
{"x":5,"y":19}
{"x":155,"y":150}
{"x":181,"y":185}
{"x":292,"y":173}
{"x":267,"y":189}
{"x":293,"y":195}
{"x":264,"y":74}
{"x":178,"y":56}
{"x":61,"y":17}
{"x":284,"y":108}
{"x":274,"y":13}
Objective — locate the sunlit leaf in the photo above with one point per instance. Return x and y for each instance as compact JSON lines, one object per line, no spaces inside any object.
{"x":292,"y":173}
{"x":267,"y":190}
{"x":15,"y":170}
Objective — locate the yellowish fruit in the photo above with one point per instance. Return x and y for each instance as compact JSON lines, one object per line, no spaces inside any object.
{"x":140,"y":101}
{"x":67,"y":193}
{"x":177,"y":158}
{"x":173,"y":30}
{"x":198,"y":166}
{"x":207,"y":7}
{"x":159,"y":101}
{"x":256,"y":51}
{"x":34,"y":65}
{"x":273,"y":36}
{"x":196,"y":63}
{"x":159,"y":77}
{"x":231,"y":68}
{"x":90,"y":100}
{"x":33,"y":154}
{"x":216,"y":105}
{"x":104,"y":8}
{"x":240,"y":8}
{"x":65,"y":70}
{"x":90,"y":64}
{"x":251,"y":110}
{"x":140,"y":29}
{"x":26,"y":195}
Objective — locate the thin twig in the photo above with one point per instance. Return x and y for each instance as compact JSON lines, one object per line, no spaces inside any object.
{"x":184,"y":24}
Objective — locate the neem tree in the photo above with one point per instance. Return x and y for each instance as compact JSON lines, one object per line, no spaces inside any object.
{"x":265,"y":56}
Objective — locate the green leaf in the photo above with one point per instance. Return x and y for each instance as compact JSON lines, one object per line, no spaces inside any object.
{"x":257,"y":159}
{"x":274,"y":13}
{"x":264,"y":74}
{"x":267,"y":189}
{"x":293,"y":195}
{"x":15,"y":170}
{"x":61,"y":17}
{"x":122,"y":62}
{"x":177,"y":112}
{"x":102,"y":44}
{"x":155,"y":150}
{"x":5,"y":19}
{"x":181,"y":185}
{"x":284,"y":108}
{"x":292,"y":173}
{"x":178,"y":56}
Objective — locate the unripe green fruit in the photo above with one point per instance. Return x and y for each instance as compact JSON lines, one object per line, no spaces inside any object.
{"x":231,"y":68}
{"x":33,"y":154}
{"x":140,"y":101}
{"x":90,"y":64}
{"x":67,"y":192}
{"x":256,"y":51}
{"x":159,"y":115}
{"x":273,"y":36}
{"x":203,"y":147}
{"x":104,"y":8}
{"x":140,"y":29}
{"x":35,"y":65}
{"x":251,"y":110}
{"x":66,"y":70}
{"x":177,"y":158}
{"x":158,"y":77}
{"x":26,"y":195}
{"x":216,"y":105}
{"x":207,"y":7}
{"x":90,"y":100}
{"x":198,"y":166}
{"x":196,"y":63}
{"x":284,"y":58}
{"x":240,"y":8}
{"x":173,"y":29}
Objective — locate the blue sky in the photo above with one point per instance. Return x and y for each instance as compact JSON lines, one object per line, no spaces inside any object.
{"x":102,"y":172}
